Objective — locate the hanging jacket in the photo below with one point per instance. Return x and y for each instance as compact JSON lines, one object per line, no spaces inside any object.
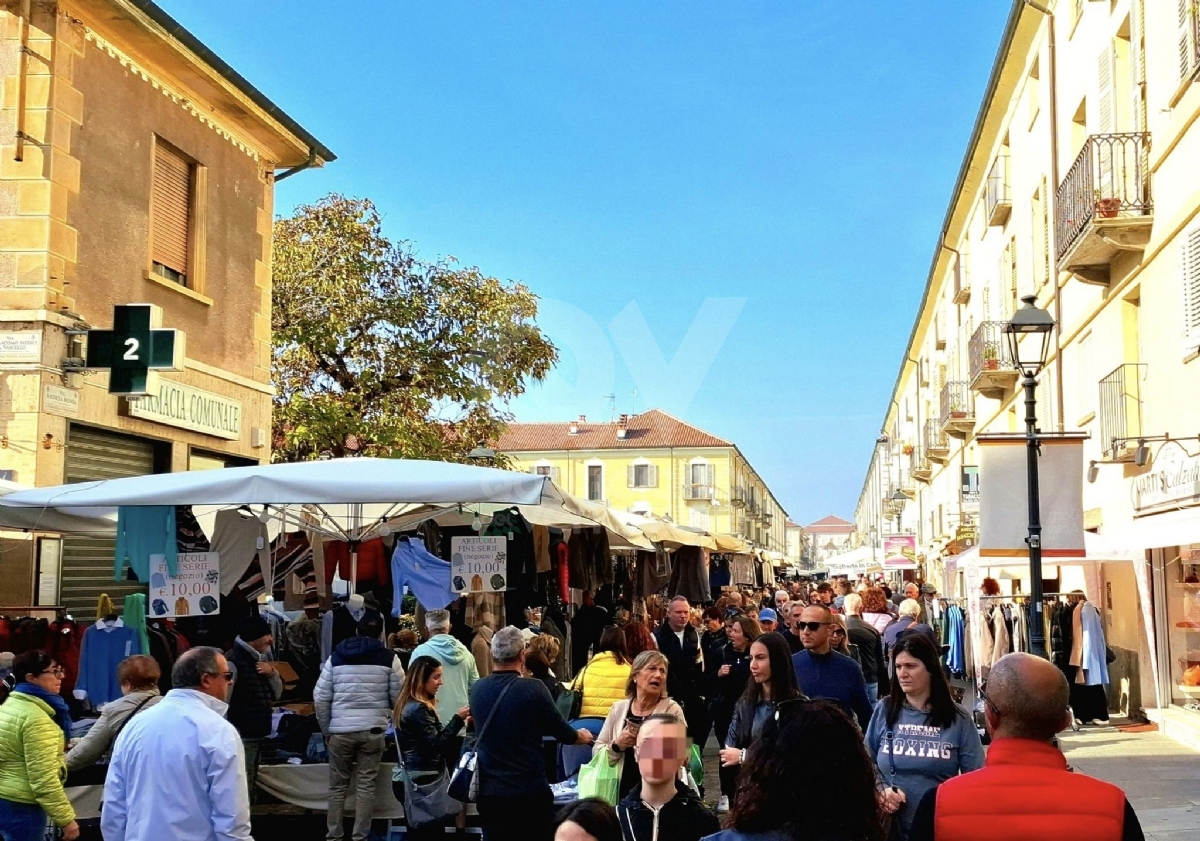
{"x":602,"y":682}
{"x":683,"y":818}
{"x":32,"y":769}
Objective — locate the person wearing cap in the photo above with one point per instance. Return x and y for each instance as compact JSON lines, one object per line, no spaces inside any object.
{"x":768,"y":620}
{"x":256,"y":687}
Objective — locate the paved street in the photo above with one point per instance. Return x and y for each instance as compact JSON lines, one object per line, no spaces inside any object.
{"x":1160,"y":777}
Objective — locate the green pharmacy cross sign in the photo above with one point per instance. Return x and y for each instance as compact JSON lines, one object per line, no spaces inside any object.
{"x":134,"y":349}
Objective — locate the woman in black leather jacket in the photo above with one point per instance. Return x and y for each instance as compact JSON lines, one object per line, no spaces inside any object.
{"x":422,"y":738}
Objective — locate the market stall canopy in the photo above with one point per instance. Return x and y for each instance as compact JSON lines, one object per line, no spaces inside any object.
{"x":347,"y":499}
{"x":52,"y":519}
{"x":855,"y":562}
{"x":658,"y":531}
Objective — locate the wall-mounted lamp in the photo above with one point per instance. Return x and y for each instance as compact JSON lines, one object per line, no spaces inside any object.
{"x":1142,"y":455}
{"x":1093,"y":471}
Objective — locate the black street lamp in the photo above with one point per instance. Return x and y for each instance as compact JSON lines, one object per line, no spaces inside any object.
{"x":897,"y":500}
{"x":1028,"y":337}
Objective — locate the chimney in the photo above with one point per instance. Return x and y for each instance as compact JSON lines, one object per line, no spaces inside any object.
{"x":622,"y":425}
{"x":583,"y":418}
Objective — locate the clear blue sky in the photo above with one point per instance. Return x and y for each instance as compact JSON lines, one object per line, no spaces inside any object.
{"x":789,"y":160}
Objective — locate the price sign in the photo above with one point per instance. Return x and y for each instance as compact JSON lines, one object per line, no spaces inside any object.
{"x":478,"y":564}
{"x":192,"y":591}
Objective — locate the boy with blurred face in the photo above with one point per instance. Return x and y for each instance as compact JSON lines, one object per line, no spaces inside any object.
{"x":664,"y":808}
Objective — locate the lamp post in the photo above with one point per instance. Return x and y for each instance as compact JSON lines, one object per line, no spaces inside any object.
{"x":897,"y":499}
{"x":1029,"y":357}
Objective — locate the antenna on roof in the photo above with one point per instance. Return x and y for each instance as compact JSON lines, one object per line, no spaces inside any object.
{"x":633,"y":409}
{"x":612,"y":407}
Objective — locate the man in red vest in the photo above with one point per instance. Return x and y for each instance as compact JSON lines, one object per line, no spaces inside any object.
{"x":1025,"y":791}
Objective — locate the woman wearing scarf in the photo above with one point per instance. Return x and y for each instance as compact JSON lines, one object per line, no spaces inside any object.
{"x":34,"y":724}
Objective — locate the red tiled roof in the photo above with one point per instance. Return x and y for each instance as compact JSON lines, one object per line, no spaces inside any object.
{"x":830,"y":525}
{"x":654,"y":428}
{"x":788,"y":524}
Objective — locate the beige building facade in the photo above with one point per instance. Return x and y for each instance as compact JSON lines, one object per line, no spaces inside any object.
{"x":135,"y":167}
{"x":1078,"y":187}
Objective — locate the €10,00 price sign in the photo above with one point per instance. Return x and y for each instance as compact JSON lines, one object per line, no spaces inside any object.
{"x":478,"y":564}
{"x":192,"y":591}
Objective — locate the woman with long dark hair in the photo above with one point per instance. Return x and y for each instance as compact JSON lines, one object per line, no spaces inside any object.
{"x":918,"y":735}
{"x":34,"y":723}
{"x":772,"y":682}
{"x":807,"y":777}
{"x":420,"y":736}
{"x":602,"y":681}
{"x":733,"y":673}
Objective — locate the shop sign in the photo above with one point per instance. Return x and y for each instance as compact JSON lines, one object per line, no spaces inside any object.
{"x":191,"y":591}
{"x":1174,"y":481}
{"x":60,"y":401}
{"x":190,"y":408}
{"x":900,"y":551}
{"x":134,"y":349}
{"x":20,"y":345}
{"x":478,"y":564}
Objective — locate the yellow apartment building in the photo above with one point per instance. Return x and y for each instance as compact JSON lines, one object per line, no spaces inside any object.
{"x":656,"y":465}
{"x":135,"y":167}
{"x":1079,"y":186}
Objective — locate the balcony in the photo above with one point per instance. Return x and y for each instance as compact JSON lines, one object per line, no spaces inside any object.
{"x":699,"y":492}
{"x":958,"y":410}
{"x":962,"y":282}
{"x":999,"y":202}
{"x":920,"y":465}
{"x":737,"y":496}
{"x":1104,"y":205}
{"x":936,"y":445}
{"x":1121,"y":411}
{"x":992,"y":372}
{"x":907,"y":485}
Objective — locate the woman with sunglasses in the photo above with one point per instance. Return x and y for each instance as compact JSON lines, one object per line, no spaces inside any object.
{"x":34,"y":725}
{"x":839,"y":639}
{"x":918,"y":735}
{"x":808,"y":777}
{"x":772,"y":682}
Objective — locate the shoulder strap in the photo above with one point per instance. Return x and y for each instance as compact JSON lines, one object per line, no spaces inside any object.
{"x":492,"y":713}
{"x":127,"y":718}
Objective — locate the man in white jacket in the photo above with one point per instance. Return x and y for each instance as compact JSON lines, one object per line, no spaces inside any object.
{"x":178,"y":769}
{"x":354,"y":697}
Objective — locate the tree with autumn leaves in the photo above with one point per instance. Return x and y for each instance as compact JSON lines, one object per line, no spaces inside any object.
{"x":379,"y":353}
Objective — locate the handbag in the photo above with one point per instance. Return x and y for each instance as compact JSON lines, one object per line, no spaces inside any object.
{"x":425,"y":804}
{"x":464,"y":786}
{"x":599,"y":779}
{"x":570,"y":702}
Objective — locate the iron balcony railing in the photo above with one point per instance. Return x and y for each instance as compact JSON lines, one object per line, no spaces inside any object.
{"x":1121,"y":405}
{"x":918,"y":460}
{"x":956,"y":402}
{"x":691,"y":491}
{"x":935,"y":437}
{"x":988,"y":351}
{"x":1110,"y":178}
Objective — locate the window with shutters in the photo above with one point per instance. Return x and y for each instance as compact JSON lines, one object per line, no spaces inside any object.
{"x":595,"y":482}
{"x":176,"y":214}
{"x":1188,"y":27}
{"x":1189,"y":264}
{"x":1137,"y":65}
{"x":643,"y":475}
{"x":1034,"y":91}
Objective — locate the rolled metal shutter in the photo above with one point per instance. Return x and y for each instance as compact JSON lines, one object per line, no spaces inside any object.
{"x":87,"y":562}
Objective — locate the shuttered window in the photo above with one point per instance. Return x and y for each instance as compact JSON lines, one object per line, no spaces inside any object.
{"x":1189,"y":264}
{"x":170,"y":212}
{"x":1187,"y":20}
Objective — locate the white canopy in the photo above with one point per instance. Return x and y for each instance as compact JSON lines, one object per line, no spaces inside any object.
{"x":51,"y":519}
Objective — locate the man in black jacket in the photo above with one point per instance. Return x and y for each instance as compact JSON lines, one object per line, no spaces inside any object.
{"x":256,"y":688}
{"x":680,"y":644}
{"x":663,"y":808}
{"x":870,"y":648}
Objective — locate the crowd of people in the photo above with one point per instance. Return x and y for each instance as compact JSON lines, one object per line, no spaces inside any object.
{"x":831,"y":711}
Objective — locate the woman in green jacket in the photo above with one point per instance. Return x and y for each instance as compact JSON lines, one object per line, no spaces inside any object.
{"x":34,"y":722}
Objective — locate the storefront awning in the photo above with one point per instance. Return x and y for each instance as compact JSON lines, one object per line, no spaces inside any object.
{"x":1153,"y":531}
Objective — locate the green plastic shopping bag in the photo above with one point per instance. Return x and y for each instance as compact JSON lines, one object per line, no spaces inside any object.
{"x":599,"y":779}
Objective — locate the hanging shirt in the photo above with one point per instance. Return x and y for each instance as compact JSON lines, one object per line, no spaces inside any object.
{"x":105,"y":645}
{"x":428,"y":576}
{"x":142,"y":531}
{"x":238,"y":540}
{"x":178,"y":771}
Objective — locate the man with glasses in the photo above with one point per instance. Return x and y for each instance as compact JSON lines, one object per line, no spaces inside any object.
{"x":825,"y":673}
{"x":178,"y":769}
{"x":1025,"y":791}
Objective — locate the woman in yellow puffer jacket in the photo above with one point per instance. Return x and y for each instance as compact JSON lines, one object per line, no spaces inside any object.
{"x":602,"y":681}
{"x":33,"y":721}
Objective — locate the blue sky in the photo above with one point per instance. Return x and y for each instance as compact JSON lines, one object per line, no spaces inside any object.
{"x":728,"y":208}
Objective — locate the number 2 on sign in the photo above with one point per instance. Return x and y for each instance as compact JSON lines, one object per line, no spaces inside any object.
{"x":131,"y":352}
